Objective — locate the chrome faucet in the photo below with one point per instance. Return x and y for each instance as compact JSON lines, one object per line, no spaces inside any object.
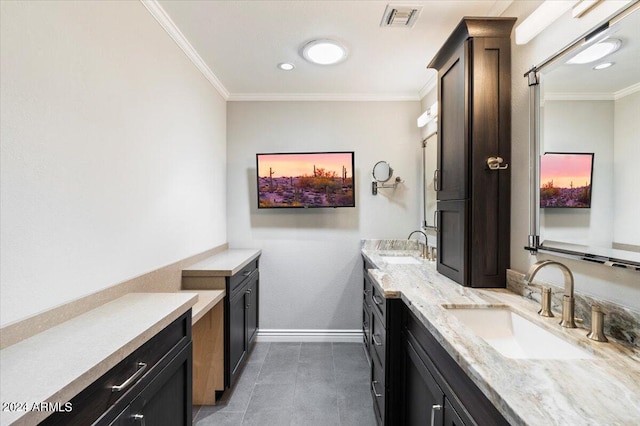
{"x":423,"y":248}
{"x":568,"y":303}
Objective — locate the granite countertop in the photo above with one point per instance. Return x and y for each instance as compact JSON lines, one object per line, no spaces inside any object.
{"x":603,"y":390}
{"x":57,"y":364}
{"x":224,"y":264}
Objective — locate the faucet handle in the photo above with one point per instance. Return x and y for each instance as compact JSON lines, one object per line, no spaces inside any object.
{"x":545,"y":300}
{"x":597,"y":323}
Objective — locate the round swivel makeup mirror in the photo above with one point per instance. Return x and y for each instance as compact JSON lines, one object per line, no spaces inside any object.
{"x":382,"y":171}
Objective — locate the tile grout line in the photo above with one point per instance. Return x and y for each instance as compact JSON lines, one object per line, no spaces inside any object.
{"x":244,"y":413}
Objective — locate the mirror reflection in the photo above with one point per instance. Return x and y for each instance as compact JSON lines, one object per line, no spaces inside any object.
{"x":590,"y":112}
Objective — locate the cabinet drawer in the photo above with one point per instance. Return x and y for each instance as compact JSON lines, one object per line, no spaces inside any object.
{"x":366,"y":327}
{"x":98,"y":400}
{"x":378,"y":339}
{"x":368,"y":288}
{"x":236,"y":280}
{"x":378,"y":391}
{"x":379,"y":304}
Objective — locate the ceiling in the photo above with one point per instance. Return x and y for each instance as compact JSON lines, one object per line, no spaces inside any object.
{"x":566,"y":81}
{"x":241,"y":43}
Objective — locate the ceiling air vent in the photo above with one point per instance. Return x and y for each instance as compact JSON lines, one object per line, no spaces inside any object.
{"x":398,"y":16}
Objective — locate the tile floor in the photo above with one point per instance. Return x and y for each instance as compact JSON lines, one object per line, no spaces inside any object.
{"x":297,"y":384}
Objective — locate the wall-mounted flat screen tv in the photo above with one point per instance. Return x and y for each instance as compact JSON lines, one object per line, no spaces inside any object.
{"x":565,"y":180}
{"x":306,"y":180}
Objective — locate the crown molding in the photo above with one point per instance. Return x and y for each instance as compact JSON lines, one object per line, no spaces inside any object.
{"x":592,"y":96}
{"x":428,"y":86}
{"x":626,"y":91}
{"x":170,"y":27}
{"x":333,"y":97}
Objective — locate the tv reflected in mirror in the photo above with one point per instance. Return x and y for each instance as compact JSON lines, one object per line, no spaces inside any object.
{"x":565,"y":180}
{"x":305,"y":180}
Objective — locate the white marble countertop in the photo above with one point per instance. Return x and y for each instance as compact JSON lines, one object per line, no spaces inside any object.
{"x":57,"y":364}
{"x":600,"y":391}
{"x":224,"y":264}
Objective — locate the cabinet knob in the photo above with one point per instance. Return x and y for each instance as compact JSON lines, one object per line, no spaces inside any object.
{"x":494,"y":163}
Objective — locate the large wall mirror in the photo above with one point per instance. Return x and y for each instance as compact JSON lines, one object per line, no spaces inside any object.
{"x":585,"y":151}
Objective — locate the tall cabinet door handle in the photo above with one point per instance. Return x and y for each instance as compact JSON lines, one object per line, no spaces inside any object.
{"x":375,"y":391}
{"x":434,"y":408}
{"x":494,"y":163}
{"x":436,"y":176}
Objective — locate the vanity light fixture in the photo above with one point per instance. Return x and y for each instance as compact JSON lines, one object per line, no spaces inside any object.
{"x":324,"y":52}
{"x":603,"y":66}
{"x":286,"y":66}
{"x":541,"y":18}
{"x":596,"y":52}
{"x":429,"y":115}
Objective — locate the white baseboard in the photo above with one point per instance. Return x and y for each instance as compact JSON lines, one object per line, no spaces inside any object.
{"x":279,"y":335}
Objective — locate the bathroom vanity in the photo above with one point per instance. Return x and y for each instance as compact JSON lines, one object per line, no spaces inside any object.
{"x":442,"y":368}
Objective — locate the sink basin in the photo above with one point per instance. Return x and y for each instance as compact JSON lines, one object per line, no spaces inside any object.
{"x":401,"y":260}
{"x":516,"y":337}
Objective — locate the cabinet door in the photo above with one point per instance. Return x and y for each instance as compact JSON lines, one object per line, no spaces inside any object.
{"x":252,"y":310}
{"x":237,"y":332}
{"x":422,"y":398}
{"x":451,"y":417}
{"x":490,"y":189}
{"x":453,"y":158}
{"x":167,"y":399}
{"x":453,"y":240}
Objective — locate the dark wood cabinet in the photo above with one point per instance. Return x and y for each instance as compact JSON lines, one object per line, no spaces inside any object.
{"x":434,"y":388}
{"x":474,"y":124}
{"x":164,"y":401}
{"x":242,"y":321}
{"x":153,"y":385}
{"x":381,"y":327}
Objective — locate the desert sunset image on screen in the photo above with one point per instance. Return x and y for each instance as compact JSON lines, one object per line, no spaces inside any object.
{"x":565,"y":180}
{"x":305,"y":180}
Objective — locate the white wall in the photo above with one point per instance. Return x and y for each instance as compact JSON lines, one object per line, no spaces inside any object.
{"x":626,"y":175}
{"x":113,"y":152}
{"x":613,"y":284}
{"x":581,"y":126}
{"x":310,"y":270}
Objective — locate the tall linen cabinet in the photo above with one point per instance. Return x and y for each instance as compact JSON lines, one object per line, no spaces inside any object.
{"x":474,"y":150}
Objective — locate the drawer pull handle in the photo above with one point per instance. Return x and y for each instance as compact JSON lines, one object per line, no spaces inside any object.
{"x":377,"y":300}
{"x":138,"y":417}
{"x":375,"y":391}
{"x":434,"y":408}
{"x":246,"y":273}
{"x":141,"y":368}
{"x":376,"y":341}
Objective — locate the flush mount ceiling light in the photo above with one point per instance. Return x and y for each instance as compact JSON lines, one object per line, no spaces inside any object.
{"x":286,"y":66}
{"x":596,"y":52}
{"x":603,"y":66}
{"x":324,"y":52}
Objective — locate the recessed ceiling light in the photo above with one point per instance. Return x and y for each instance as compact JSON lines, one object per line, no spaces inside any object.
{"x":596,"y":52}
{"x":602,"y":66}
{"x":286,"y":66}
{"x":324,"y":52}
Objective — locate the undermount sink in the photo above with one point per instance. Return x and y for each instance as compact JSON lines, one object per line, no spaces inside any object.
{"x":516,"y":337}
{"x":401,"y":260}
